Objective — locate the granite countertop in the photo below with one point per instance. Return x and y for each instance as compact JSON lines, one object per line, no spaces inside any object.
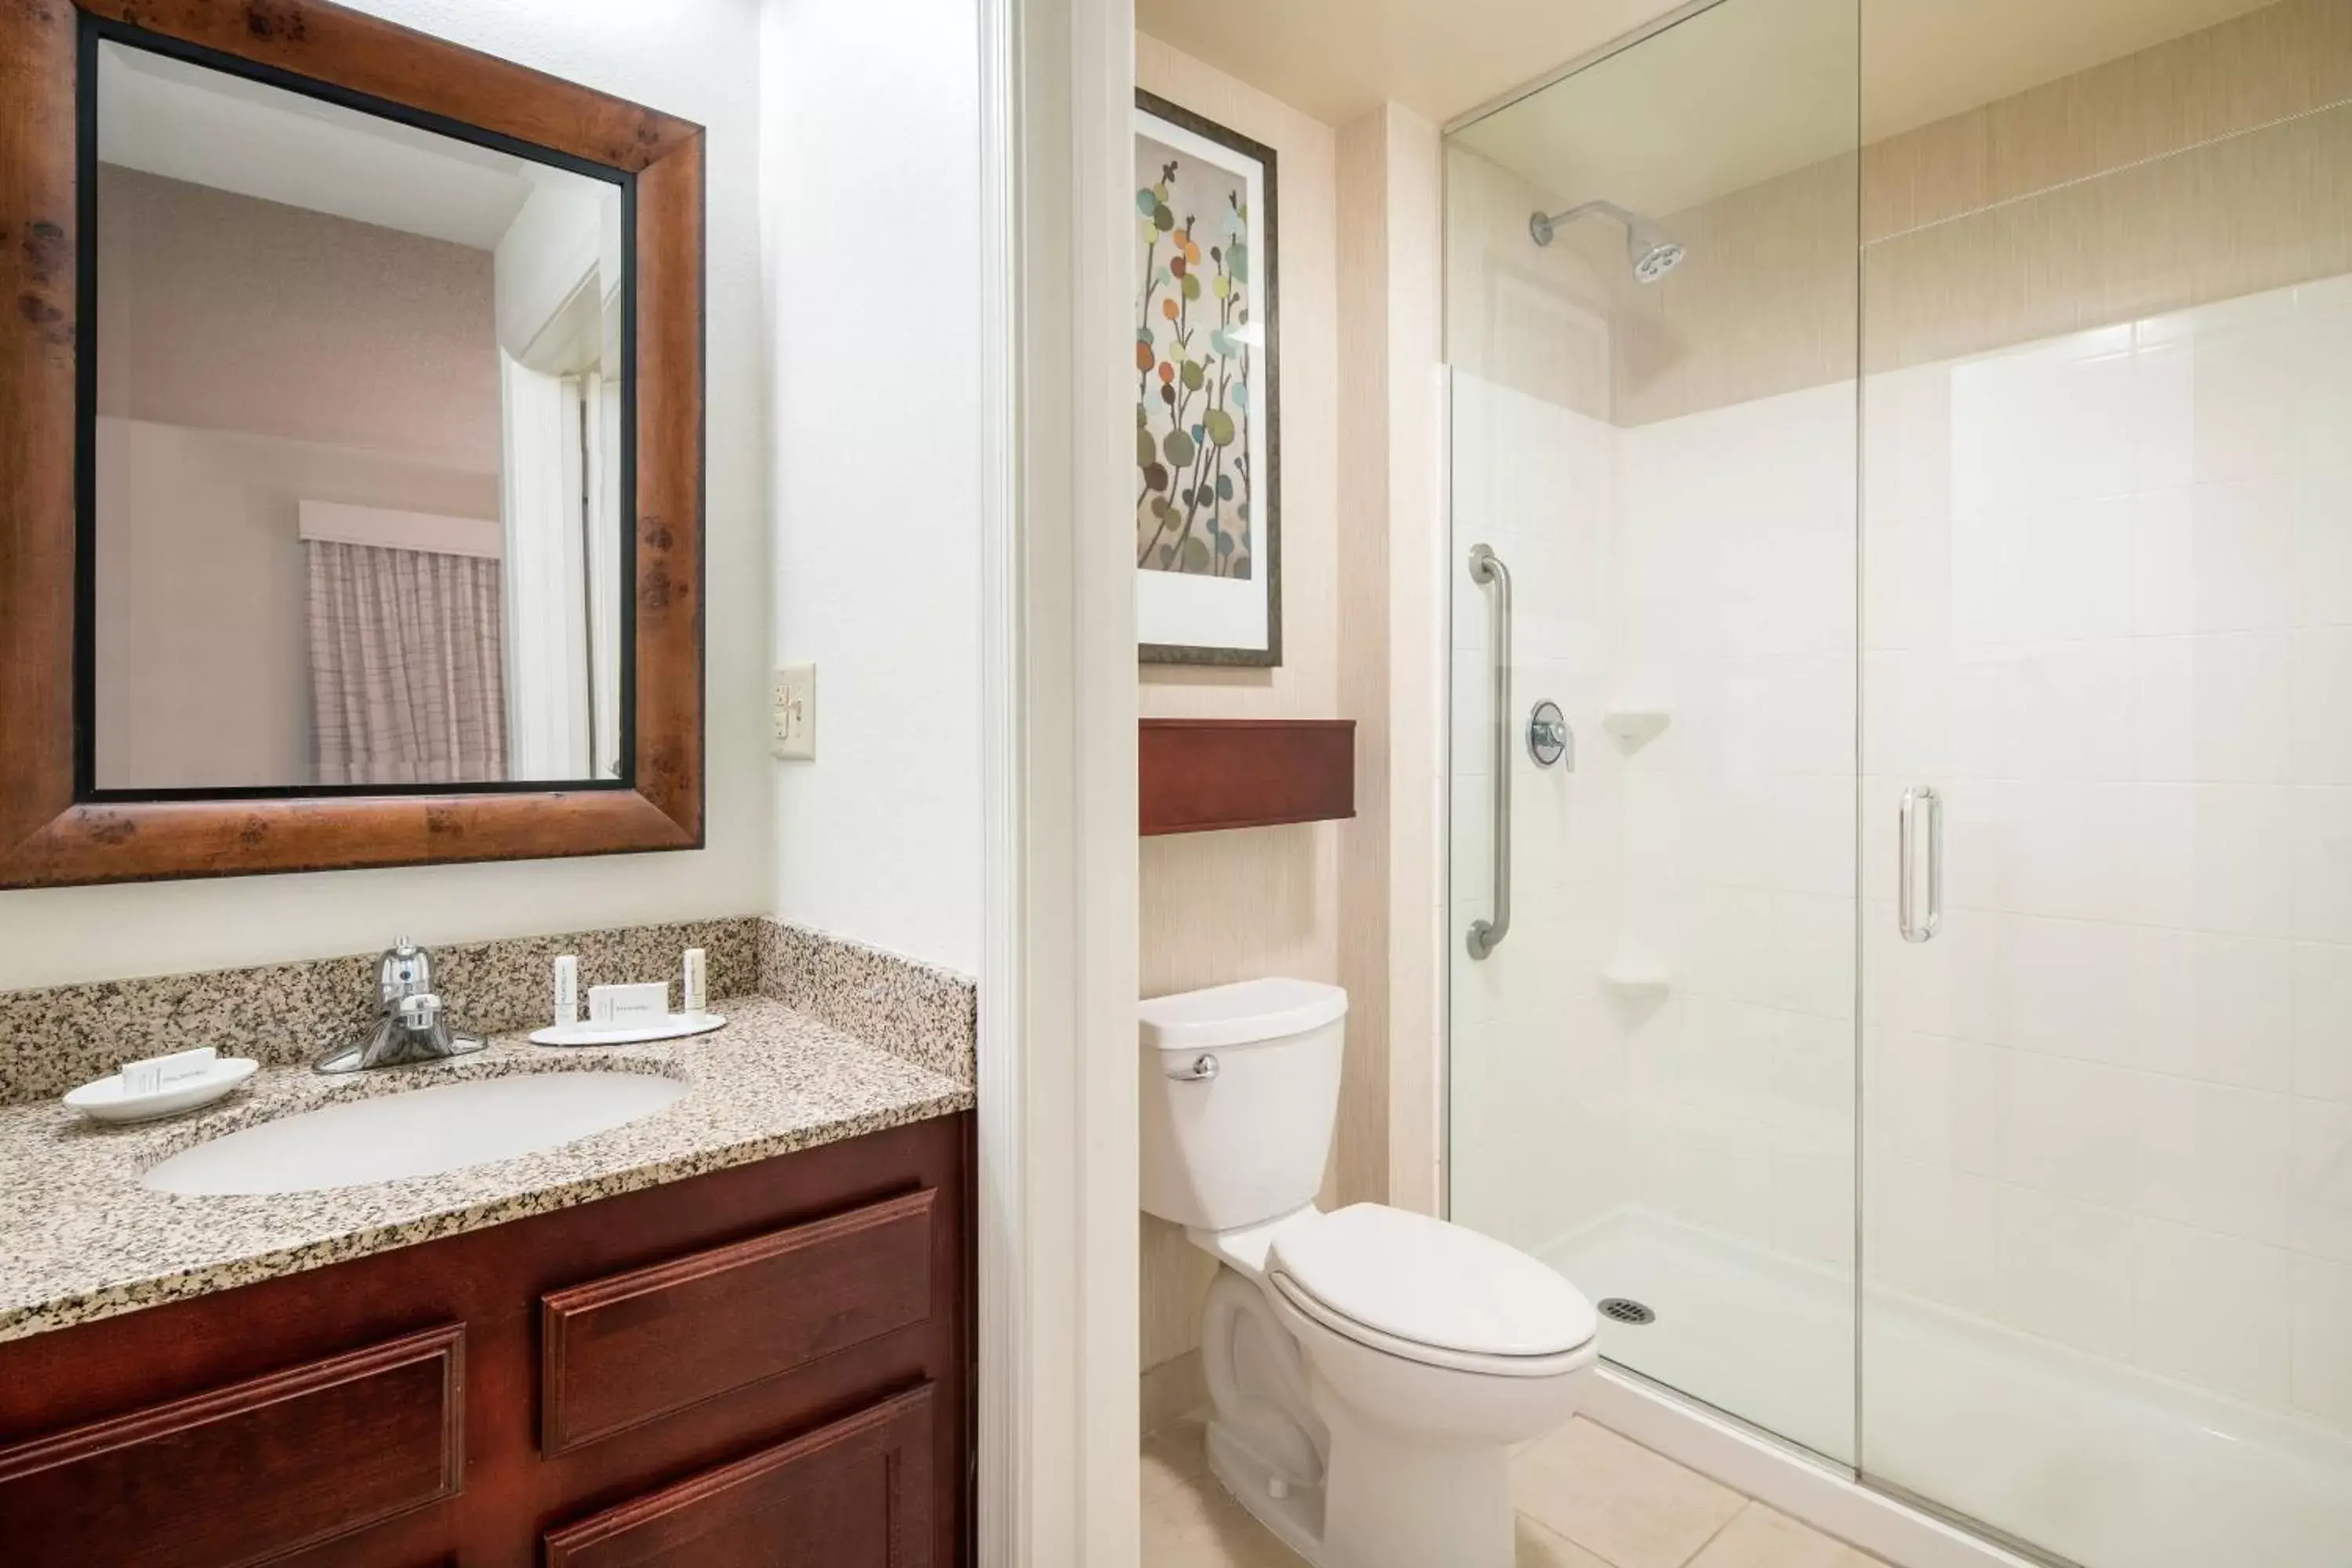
{"x":81,"y":1238}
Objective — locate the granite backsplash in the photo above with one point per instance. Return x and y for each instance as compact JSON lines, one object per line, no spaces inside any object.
{"x":287,"y":1014}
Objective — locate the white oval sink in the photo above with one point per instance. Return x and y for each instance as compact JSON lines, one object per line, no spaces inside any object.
{"x":418,"y":1133}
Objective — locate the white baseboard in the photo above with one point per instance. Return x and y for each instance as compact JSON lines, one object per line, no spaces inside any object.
{"x":1803,"y":1489}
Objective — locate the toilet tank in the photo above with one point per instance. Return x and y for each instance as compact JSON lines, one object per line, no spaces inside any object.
{"x":1240,"y":1086}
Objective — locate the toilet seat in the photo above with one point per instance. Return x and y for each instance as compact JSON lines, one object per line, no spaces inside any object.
{"x":1431,"y":1292}
{"x":1530,"y":1366}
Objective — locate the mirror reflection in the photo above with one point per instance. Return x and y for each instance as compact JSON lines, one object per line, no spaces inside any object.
{"x":361,"y":504}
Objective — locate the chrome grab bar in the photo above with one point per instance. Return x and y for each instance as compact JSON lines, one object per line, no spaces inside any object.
{"x":1486,"y":569}
{"x":1904,"y":896}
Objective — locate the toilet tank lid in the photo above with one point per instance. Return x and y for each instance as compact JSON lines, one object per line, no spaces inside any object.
{"x":1241,"y":1014}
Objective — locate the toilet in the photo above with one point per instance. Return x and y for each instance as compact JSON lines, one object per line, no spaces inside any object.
{"x":1369,"y":1369}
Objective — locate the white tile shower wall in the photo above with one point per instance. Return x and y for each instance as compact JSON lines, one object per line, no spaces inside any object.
{"x":1537,"y":1113}
{"x":2107,"y":611}
{"x":1704,"y":566}
{"x":1734,"y":590}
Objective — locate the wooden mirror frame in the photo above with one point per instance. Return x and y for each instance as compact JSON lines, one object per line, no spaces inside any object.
{"x":51,"y":833}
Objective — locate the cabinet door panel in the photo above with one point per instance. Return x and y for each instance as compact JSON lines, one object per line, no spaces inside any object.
{"x":250,"y":1472}
{"x":853,"y":1494}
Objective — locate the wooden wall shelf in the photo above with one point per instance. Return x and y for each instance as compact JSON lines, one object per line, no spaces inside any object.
{"x":1200,"y":774}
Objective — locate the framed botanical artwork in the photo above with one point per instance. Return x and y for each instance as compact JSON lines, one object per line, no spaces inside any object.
{"x":1208,"y":536}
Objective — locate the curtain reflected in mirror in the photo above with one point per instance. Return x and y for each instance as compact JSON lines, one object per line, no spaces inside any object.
{"x":359,"y":514}
{"x":407,"y":679}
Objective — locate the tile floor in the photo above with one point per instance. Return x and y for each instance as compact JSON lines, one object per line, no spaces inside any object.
{"x":1588,"y":1499}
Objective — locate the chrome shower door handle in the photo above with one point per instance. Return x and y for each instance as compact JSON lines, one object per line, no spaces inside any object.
{"x":1487,"y":569}
{"x":1906,"y":880}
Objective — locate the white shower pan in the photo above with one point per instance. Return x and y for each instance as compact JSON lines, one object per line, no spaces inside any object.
{"x":2093,"y":1460}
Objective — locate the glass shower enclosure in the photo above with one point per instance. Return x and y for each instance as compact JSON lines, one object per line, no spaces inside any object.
{"x":1901,"y":775}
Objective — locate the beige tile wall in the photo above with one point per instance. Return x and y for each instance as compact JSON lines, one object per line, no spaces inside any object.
{"x":1536,"y":320}
{"x":2261,"y":210}
{"x":2214,"y":165}
{"x":1762,"y":303}
{"x":2268,"y":65}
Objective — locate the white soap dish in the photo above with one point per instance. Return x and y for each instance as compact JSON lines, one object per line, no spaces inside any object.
{"x":676,"y":1027}
{"x":1635,"y":977}
{"x":1637,"y":727}
{"x":104,"y":1100}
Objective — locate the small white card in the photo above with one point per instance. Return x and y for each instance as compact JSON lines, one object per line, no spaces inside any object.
{"x":628,"y":1007}
{"x":152,"y":1075}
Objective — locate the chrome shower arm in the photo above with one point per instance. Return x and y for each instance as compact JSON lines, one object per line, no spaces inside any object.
{"x":1543,"y":226}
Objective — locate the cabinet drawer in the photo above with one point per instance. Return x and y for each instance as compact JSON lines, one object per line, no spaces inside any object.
{"x":250,"y":1472}
{"x":856,"y":1494}
{"x":621,"y":1350}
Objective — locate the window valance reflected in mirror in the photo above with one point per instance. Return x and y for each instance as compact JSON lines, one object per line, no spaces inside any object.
{"x":361,"y":502}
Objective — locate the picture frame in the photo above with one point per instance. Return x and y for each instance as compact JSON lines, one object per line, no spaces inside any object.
{"x":1208,"y":409}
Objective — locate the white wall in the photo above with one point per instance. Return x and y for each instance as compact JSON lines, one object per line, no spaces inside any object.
{"x":697,"y":59}
{"x":870,"y":171}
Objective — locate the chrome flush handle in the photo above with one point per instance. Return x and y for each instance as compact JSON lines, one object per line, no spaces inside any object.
{"x":1203,"y":1068}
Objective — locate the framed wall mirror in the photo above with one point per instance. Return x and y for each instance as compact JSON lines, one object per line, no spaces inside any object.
{"x":356,"y":382}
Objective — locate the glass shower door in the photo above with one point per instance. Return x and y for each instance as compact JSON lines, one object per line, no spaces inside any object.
{"x":2107,"y":617}
{"x":1653,"y":1071}
{"x":1923,"y":479}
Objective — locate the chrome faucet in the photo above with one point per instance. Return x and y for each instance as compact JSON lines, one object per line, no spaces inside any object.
{"x":411,"y":1025}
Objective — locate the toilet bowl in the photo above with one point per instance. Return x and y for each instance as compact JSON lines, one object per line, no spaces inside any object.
{"x":1369,"y":1369}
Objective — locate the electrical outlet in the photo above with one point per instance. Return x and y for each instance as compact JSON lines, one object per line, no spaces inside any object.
{"x":791,"y":712}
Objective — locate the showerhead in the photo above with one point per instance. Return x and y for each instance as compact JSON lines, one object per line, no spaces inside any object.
{"x":1653,"y":251}
{"x":1650,"y":250}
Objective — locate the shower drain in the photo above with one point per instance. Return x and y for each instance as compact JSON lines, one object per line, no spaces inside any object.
{"x":1625,"y":1309}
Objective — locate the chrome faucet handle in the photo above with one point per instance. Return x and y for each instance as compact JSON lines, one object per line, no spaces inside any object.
{"x":404,"y":970}
{"x":431,"y":1029}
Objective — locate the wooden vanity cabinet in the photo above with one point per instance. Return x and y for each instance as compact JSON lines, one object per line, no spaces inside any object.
{"x":765,"y":1366}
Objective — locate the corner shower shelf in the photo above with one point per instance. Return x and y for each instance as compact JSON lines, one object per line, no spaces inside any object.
{"x":1637,"y":978}
{"x":1637,"y":727}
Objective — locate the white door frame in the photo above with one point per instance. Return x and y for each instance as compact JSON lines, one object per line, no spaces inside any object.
{"x":1056,"y":1455}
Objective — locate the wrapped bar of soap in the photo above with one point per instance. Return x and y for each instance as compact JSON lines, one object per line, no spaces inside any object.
{"x":628,"y":1007}
{"x":152,"y":1075}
